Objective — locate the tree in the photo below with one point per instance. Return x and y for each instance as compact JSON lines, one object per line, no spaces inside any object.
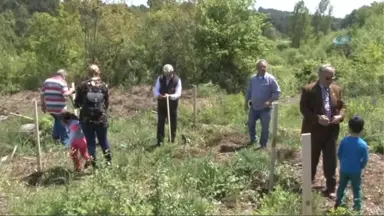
{"x":159,"y":4}
{"x":229,"y":40}
{"x":299,"y":23}
{"x":322,"y":19}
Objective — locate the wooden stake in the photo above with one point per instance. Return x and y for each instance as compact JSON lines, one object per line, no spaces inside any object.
{"x":169,"y":119}
{"x":14,"y":151}
{"x":275,"y":115}
{"x":73,"y":100}
{"x":194,"y":104}
{"x":22,"y":116}
{"x":39,"y":165}
{"x":307,"y":176}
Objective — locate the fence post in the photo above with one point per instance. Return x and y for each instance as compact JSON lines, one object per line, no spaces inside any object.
{"x":194,"y":104}
{"x":306,"y":174}
{"x":73,"y":100}
{"x":275,"y":115}
{"x":39,"y":165}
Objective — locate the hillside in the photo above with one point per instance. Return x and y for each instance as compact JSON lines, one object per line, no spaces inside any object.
{"x":213,"y":44}
{"x":280,"y":20}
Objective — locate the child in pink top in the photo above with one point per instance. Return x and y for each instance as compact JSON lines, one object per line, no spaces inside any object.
{"x":77,"y":141}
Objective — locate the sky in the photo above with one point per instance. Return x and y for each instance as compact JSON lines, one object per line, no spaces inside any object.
{"x":340,"y":7}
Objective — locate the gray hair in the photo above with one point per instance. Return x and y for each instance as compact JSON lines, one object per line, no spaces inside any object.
{"x":167,"y":68}
{"x":261,"y":61}
{"x":61,"y":72}
{"x":325,"y":67}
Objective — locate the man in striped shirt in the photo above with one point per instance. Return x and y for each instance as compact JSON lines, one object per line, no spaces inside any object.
{"x":53,"y":101}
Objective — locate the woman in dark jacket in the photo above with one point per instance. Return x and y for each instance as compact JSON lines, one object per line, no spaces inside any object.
{"x":92,"y":98}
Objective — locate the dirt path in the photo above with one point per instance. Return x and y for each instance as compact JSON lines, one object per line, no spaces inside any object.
{"x":372,"y":183}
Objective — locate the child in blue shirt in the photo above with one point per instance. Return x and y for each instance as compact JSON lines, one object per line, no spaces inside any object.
{"x":353,"y":156}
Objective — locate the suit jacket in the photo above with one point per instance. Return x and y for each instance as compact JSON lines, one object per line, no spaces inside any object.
{"x":311,"y":107}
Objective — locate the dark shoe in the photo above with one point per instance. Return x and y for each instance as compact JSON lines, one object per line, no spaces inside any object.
{"x":108,"y":164}
{"x":108,"y":157}
{"x":93,"y":162}
{"x":358,"y":211}
{"x":87,"y":164}
{"x":339,"y":204}
{"x":329,"y":194}
{"x":94,"y":165}
{"x":159,"y":143}
{"x":56,"y":140}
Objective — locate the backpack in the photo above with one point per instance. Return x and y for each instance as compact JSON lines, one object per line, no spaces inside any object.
{"x":93,"y":105}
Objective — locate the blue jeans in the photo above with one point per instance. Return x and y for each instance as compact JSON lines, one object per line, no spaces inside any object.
{"x":59,"y":131}
{"x":91,"y":131}
{"x":265,"y":117}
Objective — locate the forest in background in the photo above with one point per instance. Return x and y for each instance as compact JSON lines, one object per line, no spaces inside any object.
{"x":215,"y":41}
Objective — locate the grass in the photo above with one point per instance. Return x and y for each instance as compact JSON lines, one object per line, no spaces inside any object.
{"x":182,"y":178}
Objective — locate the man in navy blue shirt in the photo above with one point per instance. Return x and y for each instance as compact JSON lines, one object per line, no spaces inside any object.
{"x":353,"y":156}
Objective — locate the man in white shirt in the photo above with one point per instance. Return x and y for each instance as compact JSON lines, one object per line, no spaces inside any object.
{"x":167,"y":85}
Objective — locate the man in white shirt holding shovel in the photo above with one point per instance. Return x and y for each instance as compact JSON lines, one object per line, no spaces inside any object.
{"x":167,"y":91}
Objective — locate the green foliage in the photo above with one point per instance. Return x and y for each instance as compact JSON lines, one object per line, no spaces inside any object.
{"x":45,"y":125}
{"x":299,"y":23}
{"x":308,"y":73}
{"x":280,"y":202}
{"x":229,"y":38}
{"x":188,"y":37}
{"x":341,"y":211}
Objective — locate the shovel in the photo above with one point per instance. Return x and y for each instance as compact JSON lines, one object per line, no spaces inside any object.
{"x":169,"y":120}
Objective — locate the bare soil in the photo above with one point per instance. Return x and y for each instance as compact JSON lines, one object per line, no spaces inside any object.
{"x":123,"y":102}
{"x":372,"y":184}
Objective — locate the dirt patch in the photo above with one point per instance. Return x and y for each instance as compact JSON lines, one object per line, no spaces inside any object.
{"x":130,"y":101}
{"x":372,"y":183}
{"x":285,"y":153}
{"x":21,"y":166}
{"x":227,"y":145}
{"x":123,"y":102}
{"x":18,"y":103}
{"x":221,"y":147}
{"x":184,"y":151}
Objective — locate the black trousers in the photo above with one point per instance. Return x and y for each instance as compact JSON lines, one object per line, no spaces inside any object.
{"x":324,"y":141}
{"x":162,"y":115}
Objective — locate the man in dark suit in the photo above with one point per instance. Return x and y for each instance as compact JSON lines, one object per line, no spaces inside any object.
{"x":323,"y":109}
